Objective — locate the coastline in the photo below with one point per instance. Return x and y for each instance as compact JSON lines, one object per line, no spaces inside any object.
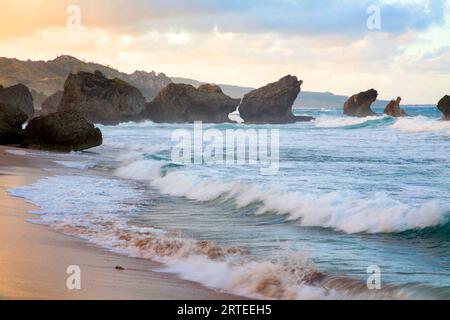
{"x":34,"y":259}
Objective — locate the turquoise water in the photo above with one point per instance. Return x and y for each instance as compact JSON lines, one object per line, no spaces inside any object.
{"x":350,"y":193}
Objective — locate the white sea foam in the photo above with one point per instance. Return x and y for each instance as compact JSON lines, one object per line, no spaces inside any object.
{"x":81,"y":165}
{"x":344,"y":211}
{"x":16,"y":152}
{"x":421,"y":124}
{"x":337,"y":122}
{"x":73,"y":197}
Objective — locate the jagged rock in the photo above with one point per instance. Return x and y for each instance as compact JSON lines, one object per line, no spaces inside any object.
{"x":359,"y":104}
{"x":444,"y":107}
{"x":18,"y":96}
{"x":393,"y":109}
{"x":50,"y":105}
{"x":178,"y":103}
{"x":149,"y":83}
{"x":272,"y":103}
{"x":61,"y":131}
{"x":11,"y":121}
{"x":102,"y":100}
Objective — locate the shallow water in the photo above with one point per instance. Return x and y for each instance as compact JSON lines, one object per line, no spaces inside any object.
{"x":350,"y":193}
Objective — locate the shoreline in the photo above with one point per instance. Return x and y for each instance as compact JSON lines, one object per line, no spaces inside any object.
{"x":34,"y":258}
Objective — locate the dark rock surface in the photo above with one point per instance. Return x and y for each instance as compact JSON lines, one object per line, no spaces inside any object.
{"x":11,"y":121}
{"x":393,"y":109}
{"x":61,"y":131}
{"x":18,"y":96}
{"x":444,"y":107}
{"x":272,"y":103}
{"x":179,"y":103}
{"x":102,"y":100}
{"x":359,"y":104}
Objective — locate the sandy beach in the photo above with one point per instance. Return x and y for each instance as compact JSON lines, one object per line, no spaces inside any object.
{"x":34,"y":259}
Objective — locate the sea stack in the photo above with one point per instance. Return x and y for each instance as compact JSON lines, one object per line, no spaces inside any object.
{"x":272,"y":104}
{"x":61,"y":131}
{"x":102,"y":100}
{"x":444,"y":107}
{"x":393,"y":109}
{"x":359,"y":104}
{"x":179,"y":103}
{"x":18,"y":96}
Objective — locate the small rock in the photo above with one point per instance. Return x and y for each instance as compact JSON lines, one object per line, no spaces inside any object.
{"x":444,"y":107}
{"x":393,"y":109}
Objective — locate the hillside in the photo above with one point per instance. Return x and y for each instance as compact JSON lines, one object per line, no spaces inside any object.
{"x":46,"y":77}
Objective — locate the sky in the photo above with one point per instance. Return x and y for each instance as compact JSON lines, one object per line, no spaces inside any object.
{"x":399,"y":47}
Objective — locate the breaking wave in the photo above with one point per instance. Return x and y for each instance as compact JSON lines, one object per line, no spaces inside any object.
{"x":350,"y":122}
{"x":421,"y":124}
{"x":344,"y":211}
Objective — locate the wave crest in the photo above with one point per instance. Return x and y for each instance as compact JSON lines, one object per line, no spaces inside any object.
{"x":344,"y":211}
{"x":421,"y":124}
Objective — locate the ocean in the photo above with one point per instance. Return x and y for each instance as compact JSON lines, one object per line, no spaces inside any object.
{"x":351,"y":195}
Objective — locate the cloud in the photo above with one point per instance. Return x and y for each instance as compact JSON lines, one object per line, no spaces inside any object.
{"x":319,"y":17}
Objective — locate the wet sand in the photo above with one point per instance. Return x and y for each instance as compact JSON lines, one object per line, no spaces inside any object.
{"x":34,"y":259}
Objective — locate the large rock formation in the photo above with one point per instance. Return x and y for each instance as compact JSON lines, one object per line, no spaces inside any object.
{"x":11,"y":121}
{"x":178,"y":103}
{"x":102,"y":100}
{"x":18,"y":96}
{"x":393,"y":109}
{"x":444,"y":107}
{"x":272,"y":103}
{"x":61,"y":131}
{"x":359,"y":104}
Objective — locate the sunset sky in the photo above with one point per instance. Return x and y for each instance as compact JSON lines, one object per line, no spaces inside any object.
{"x":326,"y":43}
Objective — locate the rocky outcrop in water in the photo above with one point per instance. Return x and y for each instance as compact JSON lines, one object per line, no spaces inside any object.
{"x":102,"y":100}
{"x":61,"y":131}
{"x":18,"y":96}
{"x":444,"y":107}
{"x":178,"y":103}
{"x":393,"y":109}
{"x":359,"y":104}
{"x":272,"y":103}
{"x":11,"y":121}
{"x":50,"y":105}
